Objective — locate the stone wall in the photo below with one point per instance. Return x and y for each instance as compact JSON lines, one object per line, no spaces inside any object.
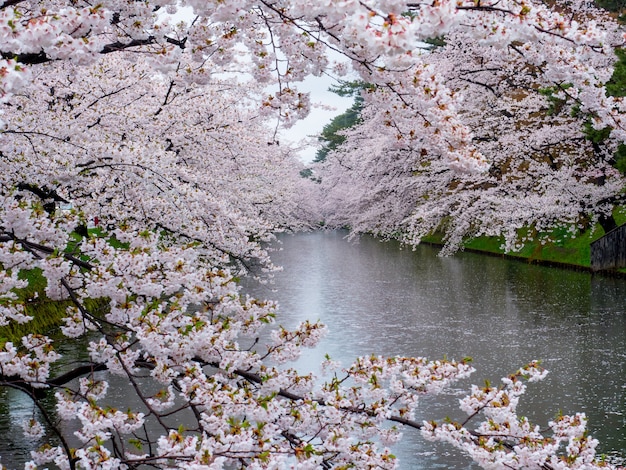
{"x":609,"y":252}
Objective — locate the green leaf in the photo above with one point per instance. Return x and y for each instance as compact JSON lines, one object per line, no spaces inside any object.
{"x":136,"y":443}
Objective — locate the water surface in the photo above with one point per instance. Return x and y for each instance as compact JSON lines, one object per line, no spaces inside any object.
{"x":377,"y":298}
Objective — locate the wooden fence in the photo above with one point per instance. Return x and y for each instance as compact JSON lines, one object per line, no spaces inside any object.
{"x":609,"y":252}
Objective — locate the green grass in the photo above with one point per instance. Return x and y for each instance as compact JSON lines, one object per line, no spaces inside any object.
{"x":47,"y":318}
{"x":562,"y":249}
{"x":47,"y":314}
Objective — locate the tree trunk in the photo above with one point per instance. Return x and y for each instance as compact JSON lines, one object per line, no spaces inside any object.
{"x":607,"y":222}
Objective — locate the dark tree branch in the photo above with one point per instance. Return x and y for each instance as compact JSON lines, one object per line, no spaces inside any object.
{"x":76,"y":373}
{"x":32,"y":246}
{"x":41,"y":57}
{"x":256,"y":379}
{"x":34,"y":396}
{"x":165,"y":100}
{"x":29,"y":59}
{"x":10,"y":3}
{"x":43,"y":193}
{"x":485,"y":8}
{"x":65,"y":140}
{"x":120,"y":46}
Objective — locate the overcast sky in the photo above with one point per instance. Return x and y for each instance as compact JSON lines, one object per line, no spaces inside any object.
{"x":319,"y":117}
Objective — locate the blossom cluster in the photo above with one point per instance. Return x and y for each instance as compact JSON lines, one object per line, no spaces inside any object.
{"x":502,"y":439}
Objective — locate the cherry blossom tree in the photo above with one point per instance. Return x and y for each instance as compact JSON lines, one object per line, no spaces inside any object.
{"x":159,"y":130}
{"x":188,"y":159}
{"x":529,"y":109}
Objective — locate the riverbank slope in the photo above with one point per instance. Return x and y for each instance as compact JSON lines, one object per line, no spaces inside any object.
{"x":562,"y":250}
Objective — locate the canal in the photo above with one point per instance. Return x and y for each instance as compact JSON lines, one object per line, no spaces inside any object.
{"x":376,"y":297}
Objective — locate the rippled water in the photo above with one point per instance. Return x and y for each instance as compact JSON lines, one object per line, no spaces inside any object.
{"x":377,"y":298}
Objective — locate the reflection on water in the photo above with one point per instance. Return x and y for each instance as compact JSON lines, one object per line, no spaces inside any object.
{"x":377,"y":298}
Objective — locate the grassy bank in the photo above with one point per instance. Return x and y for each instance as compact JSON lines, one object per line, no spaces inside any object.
{"x":47,"y":314}
{"x":562,"y":250}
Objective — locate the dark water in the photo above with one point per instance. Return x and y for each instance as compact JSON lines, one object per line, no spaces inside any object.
{"x":376,"y":298}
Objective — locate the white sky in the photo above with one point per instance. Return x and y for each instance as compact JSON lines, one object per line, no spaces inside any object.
{"x":312,"y":126}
